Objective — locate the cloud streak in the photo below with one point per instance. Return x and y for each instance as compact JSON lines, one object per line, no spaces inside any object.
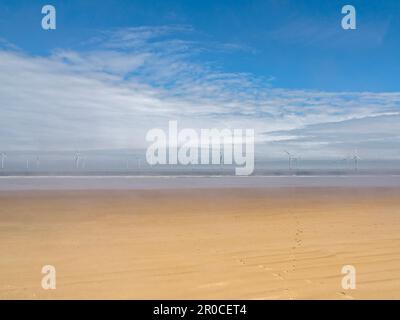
{"x":114,"y":88}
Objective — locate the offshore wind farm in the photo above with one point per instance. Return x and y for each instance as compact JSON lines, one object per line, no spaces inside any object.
{"x":134,"y":163}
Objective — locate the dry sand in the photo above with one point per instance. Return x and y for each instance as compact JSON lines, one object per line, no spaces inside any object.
{"x":288,"y":243}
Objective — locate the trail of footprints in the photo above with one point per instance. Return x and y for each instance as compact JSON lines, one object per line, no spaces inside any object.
{"x":291,"y":268}
{"x":297,"y":244}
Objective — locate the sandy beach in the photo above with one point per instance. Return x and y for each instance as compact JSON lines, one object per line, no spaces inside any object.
{"x":243,"y":243}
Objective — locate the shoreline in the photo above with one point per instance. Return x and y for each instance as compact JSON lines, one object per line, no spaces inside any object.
{"x":192,"y":182}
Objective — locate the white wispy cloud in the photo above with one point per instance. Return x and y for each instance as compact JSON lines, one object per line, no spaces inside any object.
{"x":315,"y":31}
{"x":377,"y":137}
{"x":111,"y":90}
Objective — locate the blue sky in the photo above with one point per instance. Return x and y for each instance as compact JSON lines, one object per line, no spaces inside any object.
{"x":299,"y":43}
{"x":112,"y":69}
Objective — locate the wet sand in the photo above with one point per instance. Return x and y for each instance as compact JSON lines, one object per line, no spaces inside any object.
{"x":280,"y":243}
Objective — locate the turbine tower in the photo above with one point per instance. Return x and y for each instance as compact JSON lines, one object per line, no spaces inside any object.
{"x":356,"y":159}
{"x":3,"y":158}
{"x":345,"y":161}
{"x":296,"y":162}
{"x":77,"y":158}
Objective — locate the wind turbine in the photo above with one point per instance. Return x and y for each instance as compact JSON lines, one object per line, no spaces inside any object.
{"x":345,"y":160}
{"x":37,"y":161}
{"x":290,"y":158}
{"x":77,"y":158}
{"x":3,"y":158}
{"x":138,"y":161}
{"x":296,"y":162}
{"x":356,"y":158}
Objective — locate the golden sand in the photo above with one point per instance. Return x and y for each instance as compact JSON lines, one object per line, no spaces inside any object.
{"x":188,"y":244}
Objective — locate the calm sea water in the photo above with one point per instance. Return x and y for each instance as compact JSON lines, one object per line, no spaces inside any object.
{"x":185,"y":182}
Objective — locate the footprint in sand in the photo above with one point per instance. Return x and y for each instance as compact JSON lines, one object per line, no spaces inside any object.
{"x":264,"y":267}
{"x":278,"y":276}
{"x":240,"y":261}
{"x":298,"y":242}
